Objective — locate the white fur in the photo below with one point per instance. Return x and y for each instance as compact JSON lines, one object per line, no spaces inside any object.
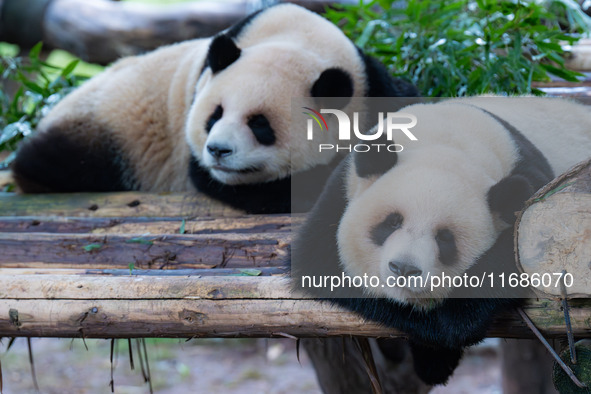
{"x":284,"y":51}
{"x":152,"y":105}
{"x":442,"y":181}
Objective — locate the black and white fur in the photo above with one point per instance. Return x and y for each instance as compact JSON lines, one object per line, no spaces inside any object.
{"x":211,"y":114}
{"x":446,"y":203}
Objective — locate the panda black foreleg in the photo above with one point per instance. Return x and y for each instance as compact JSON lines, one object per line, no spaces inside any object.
{"x":434,"y":365}
{"x":57,"y":162}
{"x":295,"y":194}
{"x":258,"y":198}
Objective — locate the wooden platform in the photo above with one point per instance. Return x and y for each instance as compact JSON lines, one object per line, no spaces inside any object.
{"x":171,"y":265}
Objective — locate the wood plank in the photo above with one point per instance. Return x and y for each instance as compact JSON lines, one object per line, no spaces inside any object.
{"x":21,"y":250}
{"x":138,"y":287}
{"x":152,"y":225}
{"x":178,"y":318}
{"x":61,"y":305}
{"x":199,"y":272}
{"x":119,"y":204}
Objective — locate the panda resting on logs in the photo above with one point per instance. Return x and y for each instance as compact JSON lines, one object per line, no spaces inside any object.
{"x":208,"y":114}
{"x":445,"y":204}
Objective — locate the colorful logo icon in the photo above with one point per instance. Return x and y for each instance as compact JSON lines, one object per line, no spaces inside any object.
{"x":315,"y":115}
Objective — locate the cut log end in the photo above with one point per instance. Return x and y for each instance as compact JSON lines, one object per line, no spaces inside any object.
{"x":554,"y":235}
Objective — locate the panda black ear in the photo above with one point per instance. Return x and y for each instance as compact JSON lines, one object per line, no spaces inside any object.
{"x":375,"y":162}
{"x":333,"y":82}
{"x":509,"y":195}
{"x":222,"y":52}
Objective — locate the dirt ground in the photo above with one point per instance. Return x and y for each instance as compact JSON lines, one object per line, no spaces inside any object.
{"x":226,"y":366}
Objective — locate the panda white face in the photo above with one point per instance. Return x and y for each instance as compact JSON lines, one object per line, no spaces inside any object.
{"x":429,"y":209}
{"x":238,"y":125}
{"x":424,"y":229}
{"x":242,"y":149}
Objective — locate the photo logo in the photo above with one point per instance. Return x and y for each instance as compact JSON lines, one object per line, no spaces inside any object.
{"x":393,"y":121}
{"x":315,"y":115}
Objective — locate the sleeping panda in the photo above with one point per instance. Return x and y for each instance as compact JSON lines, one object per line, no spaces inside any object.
{"x":444,"y":204}
{"x":211,"y":114}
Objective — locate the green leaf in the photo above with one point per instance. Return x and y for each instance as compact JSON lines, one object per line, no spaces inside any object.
{"x":131,"y":267}
{"x":14,"y":107}
{"x":8,"y":133}
{"x":567,"y":75}
{"x":13,"y":130}
{"x":549,"y":46}
{"x":91,"y":247}
{"x":35,"y":51}
{"x":249,"y":272}
{"x":554,"y":191}
{"x":34,"y":87}
{"x":505,"y":40}
{"x":69,"y":68}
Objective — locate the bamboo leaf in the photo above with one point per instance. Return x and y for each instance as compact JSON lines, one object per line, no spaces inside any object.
{"x":35,"y":51}
{"x":69,"y":68}
{"x":249,"y":272}
{"x":91,"y":247}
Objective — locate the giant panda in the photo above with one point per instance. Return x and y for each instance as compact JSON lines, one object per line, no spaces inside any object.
{"x":211,"y":114}
{"x":445,"y":203}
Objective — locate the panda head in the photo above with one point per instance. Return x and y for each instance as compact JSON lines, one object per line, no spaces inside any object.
{"x":409,"y":218}
{"x":238,"y":125}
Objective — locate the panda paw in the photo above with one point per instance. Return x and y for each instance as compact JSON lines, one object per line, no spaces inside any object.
{"x":435,"y":365}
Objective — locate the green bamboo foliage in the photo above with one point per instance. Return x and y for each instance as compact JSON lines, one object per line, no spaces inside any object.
{"x":462,"y":47}
{"x":39,"y":87}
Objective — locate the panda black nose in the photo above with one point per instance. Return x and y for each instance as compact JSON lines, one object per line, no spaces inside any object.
{"x":219,"y":151}
{"x":403,"y":269}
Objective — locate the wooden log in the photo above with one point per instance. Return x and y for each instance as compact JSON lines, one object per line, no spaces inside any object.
{"x":140,"y":287}
{"x":117,"y":204}
{"x":144,"y":225}
{"x":553,"y":233}
{"x":198,"y":272}
{"x":177,"y":318}
{"x":579,"y":57}
{"x":135,"y":306}
{"x":105,"y":30}
{"x":143,"y":250}
{"x":567,"y":91}
{"x":102,"y":31}
{"x":526,"y":366}
{"x":341,"y":368}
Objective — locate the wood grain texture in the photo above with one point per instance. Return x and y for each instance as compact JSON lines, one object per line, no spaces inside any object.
{"x":72,"y":305}
{"x":151,"y":225}
{"x":554,"y":232}
{"x":50,"y":285}
{"x":143,"y":250}
{"x":103,"y":31}
{"x":118,"y":204}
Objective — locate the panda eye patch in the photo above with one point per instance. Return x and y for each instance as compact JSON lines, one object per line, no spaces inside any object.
{"x":446,"y":242}
{"x":214,"y":117}
{"x":383,"y":230}
{"x":262,"y":130}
